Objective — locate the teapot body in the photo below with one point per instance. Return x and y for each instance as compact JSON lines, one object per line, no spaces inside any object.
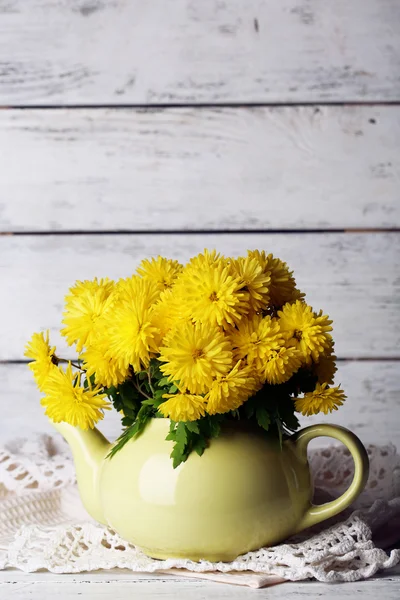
{"x":243,"y":493}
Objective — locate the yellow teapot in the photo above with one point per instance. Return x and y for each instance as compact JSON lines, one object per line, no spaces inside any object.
{"x":244,"y":493}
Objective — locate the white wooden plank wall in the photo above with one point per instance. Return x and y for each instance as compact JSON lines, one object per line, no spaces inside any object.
{"x":135,"y":128}
{"x":186,"y":51}
{"x":285,"y":167}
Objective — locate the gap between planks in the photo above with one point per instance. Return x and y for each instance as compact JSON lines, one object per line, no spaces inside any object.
{"x":203,"y":105}
{"x":201,"y":231}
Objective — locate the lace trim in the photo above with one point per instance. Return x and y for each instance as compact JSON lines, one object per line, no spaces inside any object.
{"x":43,"y":524}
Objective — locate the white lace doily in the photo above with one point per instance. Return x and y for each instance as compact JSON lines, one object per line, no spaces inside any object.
{"x":43,"y":524}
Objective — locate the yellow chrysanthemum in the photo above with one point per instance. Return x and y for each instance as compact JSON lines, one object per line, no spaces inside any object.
{"x":162,"y":271}
{"x":254,"y":339}
{"x":66,"y":400}
{"x":194,"y":355}
{"x":322,"y":399}
{"x":255,"y":281}
{"x":212,"y":295}
{"x":106,"y":369}
{"x":230,"y":391}
{"x":281,"y":364}
{"x":204,"y":261}
{"x":183,"y":407}
{"x":168,"y":311}
{"x":132,"y":337}
{"x":282,"y":286}
{"x":305,"y":330}
{"x":86,"y":303}
{"x":325,"y":368}
{"x":135,"y":289}
{"x":44,"y":358}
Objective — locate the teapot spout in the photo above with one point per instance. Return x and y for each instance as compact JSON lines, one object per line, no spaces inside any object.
{"x":89,"y":449}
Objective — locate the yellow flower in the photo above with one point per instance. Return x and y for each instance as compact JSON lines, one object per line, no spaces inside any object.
{"x":183,"y":407}
{"x":204,"y":261}
{"x":168,"y":311}
{"x":282,"y":286}
{"x":305,"y":330}
{"x":281,"y":364}
{"x":325,"y":368}
{"x":322,"y":399}
{"x":211,"y":295}
{"x":135,"y":289}
{"x":255,"y":281}
{"x":44,"y":358}
{"x":230,"y":391}
{"x":162,"y":271}
{"x":86,"y":303}
{"x":106,"y":369}
{"x":254,"y":339}
{"x":194,"y":355}
{"x":132,"y":337}
{"x":66,"y":400}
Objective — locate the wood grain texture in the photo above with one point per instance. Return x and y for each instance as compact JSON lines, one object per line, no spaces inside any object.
{"x":123,"y":585}
{"x":113,"y":51}
{"x":353,"y":277}
{"x":254,"y":168}
{"x":371,"y":409}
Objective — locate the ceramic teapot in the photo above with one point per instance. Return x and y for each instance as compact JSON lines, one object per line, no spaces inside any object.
{"x":244,"y":493}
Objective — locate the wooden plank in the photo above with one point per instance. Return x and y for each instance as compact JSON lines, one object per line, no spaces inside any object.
{"x":352,"y":277}
{"x":36,"y":586}
{"x":371,"y":408}
{"x":254,"y":168}
{"x":126,"y":576}
{"x":112,"y":51}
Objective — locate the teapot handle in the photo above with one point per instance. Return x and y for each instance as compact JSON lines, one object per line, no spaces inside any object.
{"x":316,"y":514}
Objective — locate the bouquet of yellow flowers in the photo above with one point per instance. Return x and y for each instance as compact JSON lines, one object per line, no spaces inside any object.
{"x":214,"y":340}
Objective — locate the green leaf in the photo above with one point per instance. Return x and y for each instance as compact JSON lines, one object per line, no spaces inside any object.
{"x":143,"y":416}
{"x":153,"y":402}
{"x":181,"y":434}
{"x":178,"y":456}
{"x":192,"y":426}
{"x":214,"y":426}
{"x":163,"y":382}
{"x":129,"y":412}
{"x":249,"y":408}
{"x":111,"y":391}
{"x":154,"y":368}
{"x":200,"y":445}
{"x":263,"y":417}
{"x":158,"y":394}
{"x":173,"y":389}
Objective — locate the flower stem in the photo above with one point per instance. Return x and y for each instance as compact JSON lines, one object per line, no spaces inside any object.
{"x":139,"y":389}
{"x":150,"y":386}
{"x":64,"y":360}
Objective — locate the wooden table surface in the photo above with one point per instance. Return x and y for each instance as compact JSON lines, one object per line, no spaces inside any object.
{"x":123,"y":585}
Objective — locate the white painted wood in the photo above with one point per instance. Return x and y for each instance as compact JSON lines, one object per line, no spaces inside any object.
{"x":352,"y":277}
{"x":124,"y":586}
{"x":371,"y":409}
{"x":113,"y":51}
{"x":246,"y":168}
